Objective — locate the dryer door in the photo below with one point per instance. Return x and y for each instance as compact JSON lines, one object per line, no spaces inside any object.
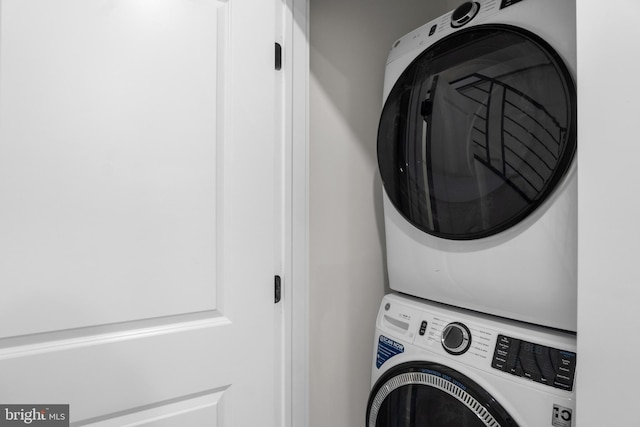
{"x":426,"y":394}
{"x":477,"y":132}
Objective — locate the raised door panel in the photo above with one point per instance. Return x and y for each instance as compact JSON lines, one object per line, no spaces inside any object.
{"x":110,"y":130}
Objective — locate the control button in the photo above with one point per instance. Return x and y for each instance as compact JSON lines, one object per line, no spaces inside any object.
{"x":498,"y":365}
{"x":502,"y":340}
{"x":564,"y":377}
{"x":517,"y":369}
{"x":566,"y":359}
{"x":565,"y":363}
{"x":456,"y":338}
{"x":423,"y":328}
{"x":534,"y":376}
{"x":514,"y":349}
{"x":432,"y":30}
{"x":501,"y":353}
{"x":464,"y":13}
{"x":563,"y":383}
{"x":566,"y":367}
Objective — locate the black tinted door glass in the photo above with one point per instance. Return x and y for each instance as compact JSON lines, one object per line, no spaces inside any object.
{"x":417,"y":406}
{"x":420,"y":405}
{"x":477,"y":132}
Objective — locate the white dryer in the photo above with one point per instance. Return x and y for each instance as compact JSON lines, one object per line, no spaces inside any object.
{"x":446,"y":367}
{"x":476,"y":148}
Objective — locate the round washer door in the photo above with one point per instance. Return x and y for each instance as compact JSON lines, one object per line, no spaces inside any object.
{"x":477,"y":132}
{"x":418,"y":394}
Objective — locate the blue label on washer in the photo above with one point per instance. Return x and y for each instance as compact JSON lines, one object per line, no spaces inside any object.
{"x":387,"y":348}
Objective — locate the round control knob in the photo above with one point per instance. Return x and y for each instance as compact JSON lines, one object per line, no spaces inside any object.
{"x":456,"y":338}
{"x":464,"y":13}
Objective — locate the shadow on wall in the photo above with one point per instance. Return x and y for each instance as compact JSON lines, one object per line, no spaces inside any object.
{"x":349,"y":44}
{"x":350,"y":41}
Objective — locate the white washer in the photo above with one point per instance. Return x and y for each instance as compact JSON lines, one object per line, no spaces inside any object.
{"x":441,"y":366}
{"x":476,"y":150}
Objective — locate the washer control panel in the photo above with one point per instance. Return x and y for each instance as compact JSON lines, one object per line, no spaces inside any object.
{"x":545,"y":365}
{"x":520,"y":352}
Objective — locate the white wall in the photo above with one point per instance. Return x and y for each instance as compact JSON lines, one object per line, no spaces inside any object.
{"x":609,"y":213}
{"x":349,"y":41}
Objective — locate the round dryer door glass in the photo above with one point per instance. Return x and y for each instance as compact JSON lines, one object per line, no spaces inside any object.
{"x":477,"y":132}
{"x":426,"y":394}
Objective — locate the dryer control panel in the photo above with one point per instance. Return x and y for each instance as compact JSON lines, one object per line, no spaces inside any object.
{"x":536,"y":362}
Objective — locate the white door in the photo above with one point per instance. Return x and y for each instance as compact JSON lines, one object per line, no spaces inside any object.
{"x":139,"y":230}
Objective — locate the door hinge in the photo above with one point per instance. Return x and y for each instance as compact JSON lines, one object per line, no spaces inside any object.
{"x":278,"y":56}
{"x":277,"y":289}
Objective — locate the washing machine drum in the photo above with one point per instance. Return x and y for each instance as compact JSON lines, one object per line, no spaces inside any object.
{"x":422,"y":394}
{"x":477,"y":132}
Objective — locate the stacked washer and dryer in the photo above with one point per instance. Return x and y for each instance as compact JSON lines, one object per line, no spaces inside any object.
{"x":476,"y":150}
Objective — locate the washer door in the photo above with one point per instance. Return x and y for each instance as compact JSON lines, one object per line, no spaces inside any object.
{"x":422,"y":394}
{"x":477,"y":132}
